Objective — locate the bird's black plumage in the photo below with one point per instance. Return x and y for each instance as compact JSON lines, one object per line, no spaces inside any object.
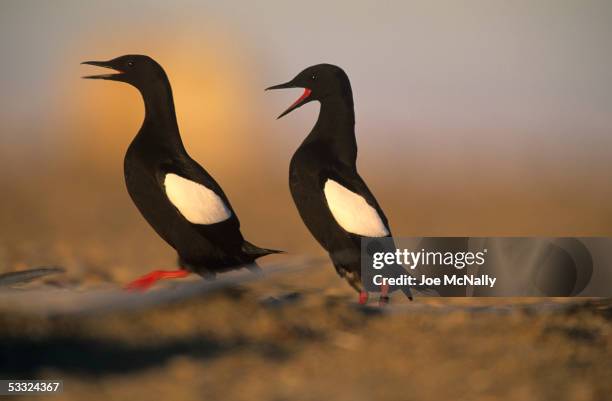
{"x":157,"y":152}
{"x":329,"y":154}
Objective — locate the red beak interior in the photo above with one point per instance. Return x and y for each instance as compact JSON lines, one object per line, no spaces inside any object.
{"x":306,"y":93}
{"x":298,"y":102}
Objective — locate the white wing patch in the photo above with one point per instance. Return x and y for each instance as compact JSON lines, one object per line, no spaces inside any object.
{"x":352,"y":212}
{"x":198,"y":204}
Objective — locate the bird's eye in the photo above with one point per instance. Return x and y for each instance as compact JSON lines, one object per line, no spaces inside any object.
{"x":313,"y":77}
{"x":130,"y":63}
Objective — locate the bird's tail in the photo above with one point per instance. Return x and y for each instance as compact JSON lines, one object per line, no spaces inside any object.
{"x":257,"y":252}
{"x":421,"y":290}
{"x":407,"y":292}
{"x":397,"y":271}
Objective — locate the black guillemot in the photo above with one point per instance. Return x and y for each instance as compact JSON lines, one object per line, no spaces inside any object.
{"x":177,"y":197}
{"x":332,"y":199}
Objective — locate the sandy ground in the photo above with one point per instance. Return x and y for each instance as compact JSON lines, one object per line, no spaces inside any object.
{"x":294,"y":335}
{"x":276,"y":340}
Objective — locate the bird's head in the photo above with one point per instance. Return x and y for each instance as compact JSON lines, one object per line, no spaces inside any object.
{"x":137,"y":70}
{"x":320,"y":82}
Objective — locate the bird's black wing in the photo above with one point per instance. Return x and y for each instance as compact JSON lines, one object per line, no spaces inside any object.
{"x":225,"y":233}
{"x":350,"y":179}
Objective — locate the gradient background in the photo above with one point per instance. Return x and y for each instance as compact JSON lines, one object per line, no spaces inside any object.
{"x":481,"y":117}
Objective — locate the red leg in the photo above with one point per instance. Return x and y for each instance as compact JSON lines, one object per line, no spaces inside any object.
{"x":363,"y":297}
{"x":384,"y":295}
{"x":145,"y":282}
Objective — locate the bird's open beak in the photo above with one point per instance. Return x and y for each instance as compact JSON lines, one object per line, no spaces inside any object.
{"x":104,"y":64}
{"x":299,"y":102}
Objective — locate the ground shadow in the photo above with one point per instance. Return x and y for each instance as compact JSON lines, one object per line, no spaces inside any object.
{"x":24,"y":358}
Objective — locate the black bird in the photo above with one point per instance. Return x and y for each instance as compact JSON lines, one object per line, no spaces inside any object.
{"x":177,"y":197}
{"x":332,"y":199}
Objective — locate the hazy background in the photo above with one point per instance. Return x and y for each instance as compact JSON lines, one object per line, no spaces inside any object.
{"x":473,"y":117}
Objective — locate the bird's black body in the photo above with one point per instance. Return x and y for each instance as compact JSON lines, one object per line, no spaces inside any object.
{"x":313,"y":163}
{"x":329,"y":152}
{"x":157,"y":150}
{"x":201,"y":248}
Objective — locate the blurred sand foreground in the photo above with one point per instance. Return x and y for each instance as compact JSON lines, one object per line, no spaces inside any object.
{"x":291,"y":336}
{"x":317,"y":344}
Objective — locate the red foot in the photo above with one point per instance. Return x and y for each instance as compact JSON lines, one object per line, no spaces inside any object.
{"x":384,"y":295}
{"x":145,"y":282}
{"x":363,"y":297}
{"x":384,"y":290}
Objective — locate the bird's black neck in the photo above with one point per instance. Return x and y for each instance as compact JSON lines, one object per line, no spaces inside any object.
{"x":160,"y":123}
{"x":335,"y":128}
